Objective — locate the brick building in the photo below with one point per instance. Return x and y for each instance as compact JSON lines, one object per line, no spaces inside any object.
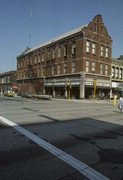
{"x":74,"y":59}
{"x":7,"y":81}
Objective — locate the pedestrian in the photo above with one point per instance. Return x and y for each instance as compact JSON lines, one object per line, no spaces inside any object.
{"x":120,"y":104}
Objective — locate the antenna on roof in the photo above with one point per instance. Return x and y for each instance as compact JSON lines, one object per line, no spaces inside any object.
{"x":30,"y":28}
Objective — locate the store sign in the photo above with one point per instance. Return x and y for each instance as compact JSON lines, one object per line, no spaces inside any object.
{"x":104,"y":84}
{"x":117,"y":85}
{"x":96,"y":83}
{"x":90,"y":83}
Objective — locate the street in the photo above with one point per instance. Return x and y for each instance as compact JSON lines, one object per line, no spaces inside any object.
{"x":60,"y":140}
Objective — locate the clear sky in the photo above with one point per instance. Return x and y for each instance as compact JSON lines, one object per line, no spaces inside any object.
{"x":49,"y":19}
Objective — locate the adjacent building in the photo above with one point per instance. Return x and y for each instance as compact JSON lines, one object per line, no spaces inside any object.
{"x":7,"y":81}
{"x":117,"y":75}
{"x":74,"y":62}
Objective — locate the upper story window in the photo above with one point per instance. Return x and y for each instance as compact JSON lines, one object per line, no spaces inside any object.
{"x":73,"y":67}
{"x":39,"y":58}
{"x":101,"y":68}
{"x":65,"y":67}
{"x":117,"y":72}
{"x":88,"y":46}
{"x":106,"y":52}
{"x":35,"y":59}
{"x":120,"y":73}
{"x":87,"y":66}
{"x":53,"y":53}
{"x":48,"y":53}
{"x":53,"y":70}
{"x":106,"y":69}
{"x":31,"y":58}
{"x":113,"y":72}
{"x":93,"y":48}
{"x":59,"y":68}
{"x":102,"y":51}
{"x":73,"y":48}
{"x":38,"y":73}
{"x":93,"y":66}
{"x":43,"y":57}
{"x":59,"y":51}
{"x":65,"y":50}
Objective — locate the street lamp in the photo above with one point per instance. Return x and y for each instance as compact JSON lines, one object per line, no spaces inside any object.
{"x":69,"y":87}
{"x":95,"y":87}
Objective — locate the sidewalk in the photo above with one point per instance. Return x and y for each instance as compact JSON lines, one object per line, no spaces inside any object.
{"x":87,"y":101}
{"x":82,"y":100}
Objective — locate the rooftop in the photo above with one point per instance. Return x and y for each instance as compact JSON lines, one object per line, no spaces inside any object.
{"x":70,"y":33}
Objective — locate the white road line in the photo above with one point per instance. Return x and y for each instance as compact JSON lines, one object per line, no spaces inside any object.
{"x":78,"y":165}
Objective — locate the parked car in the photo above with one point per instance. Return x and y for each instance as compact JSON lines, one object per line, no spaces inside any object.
{"x":42,"y":96}
{"x":9,"y":93}
{"x":26,"y":95}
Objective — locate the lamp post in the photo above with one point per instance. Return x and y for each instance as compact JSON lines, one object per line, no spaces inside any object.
{"x":95,"y":87}
{"x":69,"y":87}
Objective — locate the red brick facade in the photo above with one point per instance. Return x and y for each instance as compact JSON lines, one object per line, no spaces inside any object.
{"x":77,"y":57}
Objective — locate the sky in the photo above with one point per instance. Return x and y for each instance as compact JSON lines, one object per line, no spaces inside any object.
{"x":28,"y":23}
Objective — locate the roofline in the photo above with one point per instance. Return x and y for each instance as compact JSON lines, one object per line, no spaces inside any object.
{"x":7,"y":73}
{"x":65,"y":35}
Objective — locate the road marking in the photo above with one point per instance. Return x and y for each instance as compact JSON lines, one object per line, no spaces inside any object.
{"x":75,"y":163}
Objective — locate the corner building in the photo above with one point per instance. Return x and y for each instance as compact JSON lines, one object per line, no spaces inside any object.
{"x":71,"y":61}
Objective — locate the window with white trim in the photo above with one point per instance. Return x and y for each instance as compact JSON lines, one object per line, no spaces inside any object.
{"x":120,"y":73}
{"x":106,"y":52}
{"x":59,"y":52}
{"x":73,"y":67}
{"x":101,"y":68}
{"x":53,"y":53}
{"x":35,"y":58}
{"x":117,"y":72}
{"x":93,"y":66}
{"x":88,"y":46}
{"x":87,"y":66}
{"x":106,"y":69}
{"x":93,"y":48}
{"x":102,"y":51}
{"x":43,"y":57}
{"x":73,"y":48}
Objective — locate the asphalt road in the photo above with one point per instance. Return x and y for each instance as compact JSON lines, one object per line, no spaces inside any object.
{"x":60,"y":140}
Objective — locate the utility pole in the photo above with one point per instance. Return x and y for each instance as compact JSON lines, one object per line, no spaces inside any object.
{"x":30,"y":28}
